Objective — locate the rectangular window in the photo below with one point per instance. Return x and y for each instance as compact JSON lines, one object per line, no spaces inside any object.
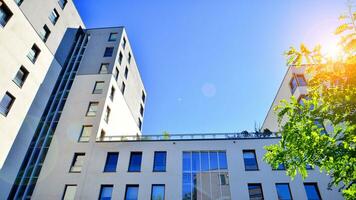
{"x":283,"y":191}
{"x":280,"y":167}
{"x":120,"y":57}
{"x":85,"y":133}
{"x":131,"y":192}
{"x":297,"y":80}
{"x":224,"y":179}
{"x":126,"y":72}
{"x":6,"y":102}
{"x":113,"y":37}
{"x":21,"y":76}
{"x":135,"y":162}
{"x":54,"y":16}
{"x":111,"y":162}
{"x":5,"y":14}
{"x":250,"y":160}
{"x":104,"y":68}
{"x":157,"y":192}
{"x":62,"y":3}
{"x":139,"y":123}
{"x":69,"y":192}
{"x":107,"y":114}
{"x":108,"y":51}
{"x":77,"y":163}
{"x":159,"y":163}
{"x":44,"y":33}
{"x":255,"y":191}
{"x":112,"y":93}
{"x":141,"y":110}
{"x":92,"y":109}
{"x":123,"y":87}
{"x":105,"y":192}
{"x":99,"y":86}
{"x":33,"y":53}
{"x":124,"y":43}
{"x":129,"y":58}
{"x":312,"y":191}
{"x":116,"y":74}
{"x":143,"y":97}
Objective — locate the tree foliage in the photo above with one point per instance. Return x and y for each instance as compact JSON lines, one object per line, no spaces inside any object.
{"x":321,"y":131}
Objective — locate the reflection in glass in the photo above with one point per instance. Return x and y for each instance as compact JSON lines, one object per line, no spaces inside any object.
{"x":157,"y":192}
{"x":283,"y":191}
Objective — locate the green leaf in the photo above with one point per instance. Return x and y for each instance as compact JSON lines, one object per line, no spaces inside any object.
{"x":342,"y":28}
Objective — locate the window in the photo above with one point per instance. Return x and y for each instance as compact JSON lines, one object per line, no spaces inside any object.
{"x":105,"y":192}
{"x":116,"y":74}
{"x":21,"y":76}
{"x":77,"y":162}
{"x":5,"y":14}
{"x":224,"y":179}
{"x":98,"y":88}
{"x":159,"y":163}
{"x":135,"y":162}
{"x":18,"y":2}
{"x":102,"y":135}
{"x":6,"y":103}
{"x":85,"y":133}
{"x":280,"y":167}
{"x":312,"y":191}
{"x":297,"y":80}
{"x":129,"y":58}
{"x":108,"y":51}
{"x":92,"y":109}
{"x":62,"y":3}
{"x":113,"y":37}
{"x":111,"y":162}
{"x":124,"y":43}
{"x":107,"y":114}
{"x":250,"y":160}
{"x":33,"y":53}
{"x":69,"y":192}
{"x":131,"y":192}
{"x":309,"y":167}
{"x":120,"y":57}
{"x":112,"y":93}
{"x":255,"y":191}
{"x":123,"y":87}
{"x":143,"y":97}
{"x":53,"y":17}
{"x":104,"y":68}
{"x":157,"y":192}
{"x":44,"y":33}
{"x":283,"y":191}
{"x":141,"y":110}
{"x":139,"y":123}
{"x":126,"y":72}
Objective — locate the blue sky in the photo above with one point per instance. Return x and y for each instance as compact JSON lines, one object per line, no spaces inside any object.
{"x":208,"y":65}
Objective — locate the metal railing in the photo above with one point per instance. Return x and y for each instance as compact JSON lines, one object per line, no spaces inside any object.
{"x":174,"y":137}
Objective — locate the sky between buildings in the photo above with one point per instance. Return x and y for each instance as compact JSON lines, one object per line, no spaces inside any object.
{"x":209,"y":65}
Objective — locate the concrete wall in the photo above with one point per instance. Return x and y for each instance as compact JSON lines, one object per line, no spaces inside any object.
{"x":55,"y":171}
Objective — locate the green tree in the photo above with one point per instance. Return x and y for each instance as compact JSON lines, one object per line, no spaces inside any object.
{"x":321,"y":131}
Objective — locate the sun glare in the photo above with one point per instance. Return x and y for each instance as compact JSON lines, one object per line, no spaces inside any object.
{"x":331,"y":49}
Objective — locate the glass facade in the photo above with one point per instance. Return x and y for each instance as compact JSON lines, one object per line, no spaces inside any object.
{"x":283,"y":191}
{"x":202,"y":171}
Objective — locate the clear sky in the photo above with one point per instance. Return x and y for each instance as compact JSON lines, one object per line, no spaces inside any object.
{"x":209,"y":65}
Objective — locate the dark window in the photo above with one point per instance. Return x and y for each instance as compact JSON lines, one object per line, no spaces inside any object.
{"x":102,"y":135}
{"x":312,"y":191}
{"x":159,"y":163}
{"x":116,"y":74}
{"x":85,"y":133}
{"x":113,"y":37}
{"x":92,"y":109}
{"x":143,"y":96}
{"x":139,"y":123}
{"x":105,"y":192}
{"x":135,"y":162}
{"x":141,"y":110}
{"x":77,"y":163}
{"x":255,"y":191}
{"x":120,"y":57}
{"x":6,"y":103}
{"x":250,"y":160}
{"x":62,"y":3}
{"x":33,"y":53}
{"x":21,"y":76}
{"x":309,"y":167}
{"x":131,"y":192}
{"x":111,"y":162}
{"x":107,"y":114}
{"x":5,"y":14}
{"x":129,"y":58}
{"x":224,"y":179}
{"x":54,"y":16}
{"x":124,"y":43}
{"x":283,"y":191}
{"x":126,"y":72}
{"x":99,"y":86}
{"x":108,"y":51}
{"x":123,"y":87}
{"x":44,"y":33}
{"x":69,"y":192}
{"x":18,"y":2}
{"x":104,"y":68}
{"x":112,"y":93}
{"x":280,"y":167}
{"x":157,"y":192}
{"x":297,"y":80}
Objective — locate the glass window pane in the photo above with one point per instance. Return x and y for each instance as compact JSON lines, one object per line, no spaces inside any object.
{"x":85,"y":134}
{"x":301,"y":80}
{"x":108,"y":51}
{"x":106,"y":192}
{"x":250,"y":160}
{"x":213,"y":160}
{"x":312,"y":191}
{"x":111,"y":162}
{"x":113,"y":37}
{"x":69,"y":192}
{"x":186,"y":161}
{"x":135,"y":162}
{"x":196,"y":161}
{"x":104,"y":68}
{"x":222,"y":160}
{"x":157,"y":192}
{"x":204,"y":161}
{"x":131,"y":193}
{"x":159,"y":161}
{"x":255,"y":191}
{"x":283,"y":191}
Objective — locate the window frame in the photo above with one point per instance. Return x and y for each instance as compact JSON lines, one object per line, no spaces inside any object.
{"x":123,"y":87}
{"x":295,"y":77}
{"x":101,"y":189}
{"x":121,"y":56}
{"x":255,"y":156}
{"x":98,"y":91}
{"x":8,"y":14}
{"x":76,"y":155}
{"x":106,"y":162}
{"x":112,"y":34}
{"x":255,"y":184}
{"x":81,"y":133}
{"x":65,"y":190}
{"x":132,"y":185}
{"x":112,"y":93}
{"x":159,"y":185}
{"x":130,"y":161}
{"x":290,"y":191}
{"x":8,"y":106}
{"x":101,"y":67}
{"x":124,"y":42}
{"x":109,"y":52}
{"x":315,"y":184}
{"x":62,"y":3}
{"x":54,"y":13}
{"x":47,"y":33}
{"x":126,"y":73}
{"x":89,"y":106}
{"x":129,"y":57}
{"x":107,"y":114}
{"x":25,"y":75}
{"x":165,"y":161}
{"x":36,"y":52}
